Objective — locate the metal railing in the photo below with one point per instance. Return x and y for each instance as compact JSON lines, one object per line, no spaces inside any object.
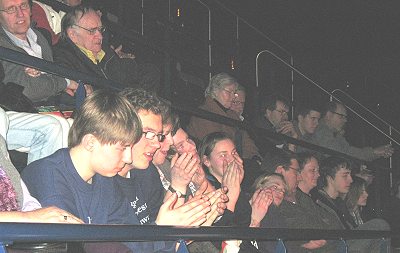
{"x":40,"y":232}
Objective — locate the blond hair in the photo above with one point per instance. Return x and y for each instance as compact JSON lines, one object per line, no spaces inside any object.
{"x":109,"y":117}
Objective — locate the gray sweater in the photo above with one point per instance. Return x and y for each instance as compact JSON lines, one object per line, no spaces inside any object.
{"x":326,"y":137}
{"x":36,"y":88}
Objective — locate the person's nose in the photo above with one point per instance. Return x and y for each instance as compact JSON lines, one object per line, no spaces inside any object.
{"x":155,"y":143}
{"x":20,"y":12}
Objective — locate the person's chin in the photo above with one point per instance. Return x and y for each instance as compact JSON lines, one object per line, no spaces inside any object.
{"x":142,"y":165}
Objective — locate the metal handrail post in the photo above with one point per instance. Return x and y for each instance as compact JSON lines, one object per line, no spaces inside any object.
{"x":209,"y":39}
{"x":280,"y":246}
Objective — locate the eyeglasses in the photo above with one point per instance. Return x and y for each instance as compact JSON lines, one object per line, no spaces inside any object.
{"x":151,"y":135}
{"x":343,"y":116}
{"x":297,"y":170}
{"x":92,"y":31}
{"x":233,"y":92}
{"x":14,"y":9}
{"x":276,"y":189}
{"x":282,"y":112}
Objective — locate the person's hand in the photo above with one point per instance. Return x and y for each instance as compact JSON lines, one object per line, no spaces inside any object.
{"x":192,"y":213}
{"x":122,"y":54}
{"x":32,"y":72}
{"x":287,"y":128}
{"x":182,"y":170}
{"x":260,"y":202}
{"x":199,"y":178}
{"x":218,"y":199}
{"x":384,"y":151}
{"x":314,"y":244}
{"x":239,"y":164}
{"x":231,"y":179}
{"x":51,"y":214}
{"x":71,"y":88}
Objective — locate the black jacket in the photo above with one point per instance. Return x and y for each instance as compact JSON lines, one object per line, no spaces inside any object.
{"x":120,"y":70}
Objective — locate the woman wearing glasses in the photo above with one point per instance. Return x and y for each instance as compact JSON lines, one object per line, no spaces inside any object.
{"x":219,"y":95}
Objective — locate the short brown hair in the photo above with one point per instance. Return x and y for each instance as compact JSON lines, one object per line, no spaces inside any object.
{"x":108,"y":116}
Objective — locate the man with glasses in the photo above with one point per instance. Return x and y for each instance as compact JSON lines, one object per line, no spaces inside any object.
{"x":17,"y":35}
{"x":140,"y":180}
{"x":330,"y":134}
{"x":81,"y":47}
{"x":274,"y":111}
{"x":294,"y":215}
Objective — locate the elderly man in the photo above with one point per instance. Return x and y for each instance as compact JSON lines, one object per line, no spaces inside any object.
{"x":81,"y":48}
{"x":17,"y":35}
{"x":330,"y":134}
{"x":220,"y":94}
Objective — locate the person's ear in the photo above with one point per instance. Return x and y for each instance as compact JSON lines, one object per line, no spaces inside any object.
{"x":267,"y":113}
{"x":206,"y":161}
{"x":72,"y":34}
{"x":280,"y":170}
{"x":89,"y":141}
{"x":300,"y":118}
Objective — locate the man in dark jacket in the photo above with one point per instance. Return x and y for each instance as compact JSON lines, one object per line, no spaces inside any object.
{"x":81,"y":48}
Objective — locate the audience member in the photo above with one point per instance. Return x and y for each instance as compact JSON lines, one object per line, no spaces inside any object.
{"x":330,"y":134}
{"x":295,"y":216}
{"x":175,"y":171}
{"x":335,"y":181}
{"x":225,"y":169}
{"x":307,"y":122}
{"x":220,"y":94}
{"x":268,"y":187}
{"x":239,"y":102}
{"x":274,"y":117}
{"x":41,"y":134}
{"x":81,"y":48}
{"x":17,"y":205}
{"x":49,"y":19}
{"x":80,"y":179}
{"x":17,"y":35}
{"x":140,"y":180}
{"x":356,"y":199}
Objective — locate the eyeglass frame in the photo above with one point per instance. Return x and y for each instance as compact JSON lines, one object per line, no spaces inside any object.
{"x":15,"y":8}
{"x":344,"y":116}
{"x":275,"y":189}
{"x":234,"y":92}
{"x":160,"y":136}
{"x":298,"y":172}
{"x":282,"y":112}
{"x":92,"y":31}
